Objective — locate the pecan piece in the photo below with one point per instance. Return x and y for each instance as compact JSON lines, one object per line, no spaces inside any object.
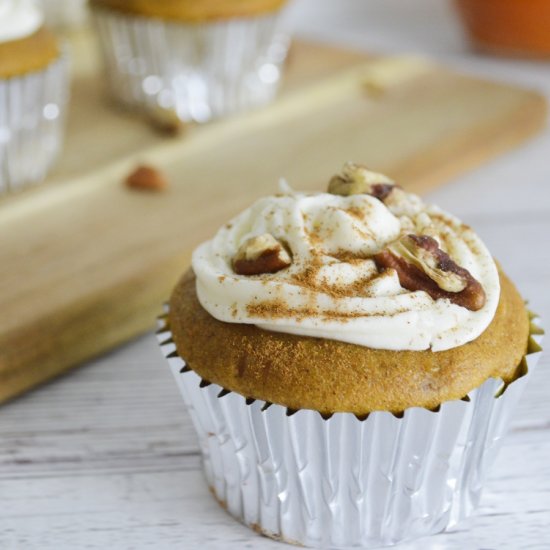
{"x":147,"y":178}
{"x":262,"y":254}
{"x":165,"y":121}
{"x":422,"y":265}
{"x":356,"y":180}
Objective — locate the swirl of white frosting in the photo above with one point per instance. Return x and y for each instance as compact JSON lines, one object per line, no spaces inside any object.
{"x":19,"y":18}
{"x":333,"y":288}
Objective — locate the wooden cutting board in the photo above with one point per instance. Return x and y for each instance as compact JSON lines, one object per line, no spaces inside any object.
{"x":85,"y":263}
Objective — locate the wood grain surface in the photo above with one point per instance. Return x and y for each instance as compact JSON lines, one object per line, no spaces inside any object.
{"x":86,"y":262}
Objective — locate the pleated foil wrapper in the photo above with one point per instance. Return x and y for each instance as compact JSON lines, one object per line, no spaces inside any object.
{"x":65,"y":14}
{"x":191,"y":71}
{"x":32,"y":124}
{"x":344,"y":481}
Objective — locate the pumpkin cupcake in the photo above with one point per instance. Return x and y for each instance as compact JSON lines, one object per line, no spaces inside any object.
{"x":350,"y":360}
{"x":191,"y":60}
{"x":33,"y":95}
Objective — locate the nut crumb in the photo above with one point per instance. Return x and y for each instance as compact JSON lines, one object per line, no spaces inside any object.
{"x":374,"y":88}
{"x":165,"y":121}
{"x":147,"y":178}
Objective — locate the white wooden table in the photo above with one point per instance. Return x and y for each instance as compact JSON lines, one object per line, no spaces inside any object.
{"x":106,"y":457}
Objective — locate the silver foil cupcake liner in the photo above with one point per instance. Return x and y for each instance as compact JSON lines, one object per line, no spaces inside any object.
{"x":64,"y":14}
{"x":32,"y":124}
{"x":345,"y":481}
{"x":191,"y":71}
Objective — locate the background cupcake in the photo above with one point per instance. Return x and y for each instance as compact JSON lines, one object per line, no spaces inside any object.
{"x":191,"y":60}
{"x":33,"y":95}
{"x":65,"y":14}
{"x":350,"y":361}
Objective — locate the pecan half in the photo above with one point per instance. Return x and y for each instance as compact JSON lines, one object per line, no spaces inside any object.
{"x":356,"y":179}
{"x":262,"y":254}
{"x":422,"y":265}
{"x":146,"y":178}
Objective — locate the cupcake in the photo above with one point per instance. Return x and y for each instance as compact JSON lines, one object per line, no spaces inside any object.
{"x":191,"y":60}
{"x":350,"y":360}
{"x":33,"y":95}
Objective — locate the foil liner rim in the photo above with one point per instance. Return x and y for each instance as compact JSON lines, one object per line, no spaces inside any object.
{"x":534,"y":348}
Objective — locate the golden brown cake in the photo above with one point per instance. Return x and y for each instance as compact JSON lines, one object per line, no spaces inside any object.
{"x":357,"y":300}
{"x":330,"y":376}
{"x":28,"y":54}
{"x":192,"y":10}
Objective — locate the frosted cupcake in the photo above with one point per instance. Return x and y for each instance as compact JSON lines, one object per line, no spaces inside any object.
{"x":191,"y":59}
{"x":33,"y":95}
{"x":350,"y":360}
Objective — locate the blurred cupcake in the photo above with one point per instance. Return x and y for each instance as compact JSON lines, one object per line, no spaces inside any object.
{"x":33,"y":95}
{"x":65,"y":14}
{"x":350,"y":361}
{"x":192,"y":59}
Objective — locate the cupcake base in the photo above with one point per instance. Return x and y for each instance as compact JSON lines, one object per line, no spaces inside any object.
{"x":32,"y":121}
{"x":346,"y":481}
{"x":65,"y":14}
{"x":191,"y":71}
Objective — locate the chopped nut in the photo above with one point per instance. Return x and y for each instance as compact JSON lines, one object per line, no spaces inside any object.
{"x":262,"y":254}
{"x":147,"y":178}
{"x":166,"y":121}
{"x":374,"y":88}
{"x":422,"y":265}
{"x":424,"y":252}
{"x":356,"y":179}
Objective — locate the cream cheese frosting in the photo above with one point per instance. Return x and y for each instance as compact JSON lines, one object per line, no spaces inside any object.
{"x":333,"y":288}
{"x":18,"y":19}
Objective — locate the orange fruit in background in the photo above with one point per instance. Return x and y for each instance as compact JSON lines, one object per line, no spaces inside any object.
{"x":508,"y":26}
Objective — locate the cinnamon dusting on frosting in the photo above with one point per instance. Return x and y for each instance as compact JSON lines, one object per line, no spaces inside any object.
{"x":309,"y":278}
{"x":273,"y":309}
{"x":360,"y":213}
{"x":295,"y":259}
